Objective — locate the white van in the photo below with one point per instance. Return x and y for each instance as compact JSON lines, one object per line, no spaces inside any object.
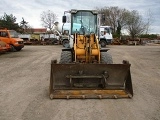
{"x":105,"y":35}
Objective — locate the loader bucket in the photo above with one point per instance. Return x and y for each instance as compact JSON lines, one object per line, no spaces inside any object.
{"x":90,"y":81}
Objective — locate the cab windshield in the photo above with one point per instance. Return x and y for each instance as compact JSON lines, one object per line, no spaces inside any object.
{"x":83,"y":23}
{"x":13,"y":34}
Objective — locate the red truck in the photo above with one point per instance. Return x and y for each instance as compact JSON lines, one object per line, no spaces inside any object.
{"x":11,"y":37}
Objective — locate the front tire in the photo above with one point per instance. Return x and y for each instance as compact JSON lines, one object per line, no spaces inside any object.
{"x":18,"y":49}
{"x":12,"y":48}
{"x":106,"y":58}
{"x":66,"y":57}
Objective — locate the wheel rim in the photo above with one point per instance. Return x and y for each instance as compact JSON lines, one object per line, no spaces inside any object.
{"x":65,"y":42}
{"x":103,"y":43}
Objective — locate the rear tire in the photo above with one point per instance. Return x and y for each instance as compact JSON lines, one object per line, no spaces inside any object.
{"x":106,"y":58}
{"x":66,"y":57}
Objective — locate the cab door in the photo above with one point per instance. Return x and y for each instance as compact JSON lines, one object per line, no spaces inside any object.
{"x":4,"y":37}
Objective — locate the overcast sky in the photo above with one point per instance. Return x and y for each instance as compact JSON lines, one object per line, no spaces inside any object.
{"x":30,"y":10}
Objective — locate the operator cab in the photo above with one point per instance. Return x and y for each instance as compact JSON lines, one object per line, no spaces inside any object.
{"x":83,"y":22}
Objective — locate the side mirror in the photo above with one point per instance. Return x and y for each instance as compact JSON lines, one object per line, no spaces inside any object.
{"x":64,"y":19}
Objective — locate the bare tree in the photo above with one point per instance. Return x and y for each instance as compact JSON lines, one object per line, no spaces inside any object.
{"x":132,"y":21}
{"x":135,"y":24}
{"x":113,"y":15}
{"x":48,"y":19}
{"x":149,"y":20}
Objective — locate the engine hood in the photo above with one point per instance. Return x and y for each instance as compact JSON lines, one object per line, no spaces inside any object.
{"x":18,"y":39}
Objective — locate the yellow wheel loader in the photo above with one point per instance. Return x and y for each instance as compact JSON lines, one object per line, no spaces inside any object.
{"x":85,"y":70}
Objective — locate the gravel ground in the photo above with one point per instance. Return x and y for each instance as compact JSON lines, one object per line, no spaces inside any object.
{"x":24,"y":84}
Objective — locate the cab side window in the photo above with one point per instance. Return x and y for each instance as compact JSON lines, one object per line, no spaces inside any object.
{"x":107,"y":30}
{"x":3,"y":34}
